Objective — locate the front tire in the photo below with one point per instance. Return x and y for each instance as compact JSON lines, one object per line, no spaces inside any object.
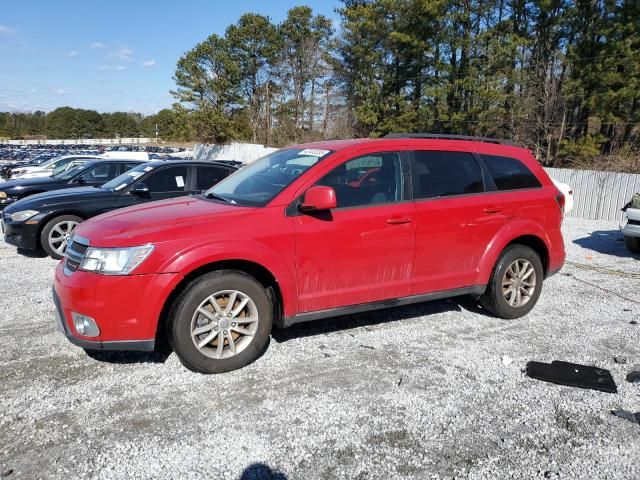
{"x":221,"y":322}
{"x":515,"y":283}
{"x":53,"y":237}
{"x":632,"y":244}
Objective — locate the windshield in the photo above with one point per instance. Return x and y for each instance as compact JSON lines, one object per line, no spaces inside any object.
{"x":258,"y":183}
{"x":127,"y":178}
{"x":40,"y":160}
{"x":65,"y":172}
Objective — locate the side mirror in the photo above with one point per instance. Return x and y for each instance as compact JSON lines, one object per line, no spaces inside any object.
{"x":81,"y":180}
{"x":319,"y":198}
{"x":140,"y":189}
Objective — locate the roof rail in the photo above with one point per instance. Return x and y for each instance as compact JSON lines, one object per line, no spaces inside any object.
{"x":446,"y":136}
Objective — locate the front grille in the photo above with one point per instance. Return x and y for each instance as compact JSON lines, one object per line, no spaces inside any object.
{"x":74,"y":256}
{"x":79,"y":248}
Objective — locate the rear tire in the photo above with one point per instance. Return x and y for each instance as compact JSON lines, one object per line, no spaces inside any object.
{"x":53,"y":237}
{"x":632,"y":244}
{"x":515,"y":283}
{"x":230,"y":337}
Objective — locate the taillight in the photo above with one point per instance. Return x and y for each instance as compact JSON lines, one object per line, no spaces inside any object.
{"x":560,"y":201}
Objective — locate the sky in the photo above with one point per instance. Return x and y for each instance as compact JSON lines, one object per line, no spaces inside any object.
{"x":115,"y":55}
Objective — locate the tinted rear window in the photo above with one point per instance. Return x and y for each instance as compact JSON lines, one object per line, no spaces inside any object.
{"x":440,"y":174}
{"x":509,"y":173}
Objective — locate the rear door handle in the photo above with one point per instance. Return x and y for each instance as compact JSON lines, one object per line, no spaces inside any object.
{"x":491,"y":210}
{"x":399,"y":220}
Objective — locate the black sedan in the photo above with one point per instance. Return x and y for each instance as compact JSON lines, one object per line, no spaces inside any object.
{"x":89,"y":173}
{"x":45,"y":221}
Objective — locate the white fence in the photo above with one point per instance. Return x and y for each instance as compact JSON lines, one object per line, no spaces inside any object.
{"x":598,"y":195}
{"x":243,"y":152}
{"x":82,"y":141}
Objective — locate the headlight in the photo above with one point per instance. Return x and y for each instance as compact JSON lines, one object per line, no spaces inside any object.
{"x":114,"y":261}
{"x":3,"y":194}
{"x":23,"y":215}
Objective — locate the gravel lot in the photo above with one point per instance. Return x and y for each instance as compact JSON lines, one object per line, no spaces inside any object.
{"x":425,"y":391}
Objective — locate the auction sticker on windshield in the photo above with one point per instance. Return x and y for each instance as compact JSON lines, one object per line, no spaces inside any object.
{"x":312,"y":152}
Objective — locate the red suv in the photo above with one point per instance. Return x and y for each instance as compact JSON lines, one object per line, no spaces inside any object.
{"x":310,"y":232}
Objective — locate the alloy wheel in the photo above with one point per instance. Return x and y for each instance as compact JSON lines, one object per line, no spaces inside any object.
{"x":59,"y":235}
{"x":224,"y":324}
{"x":519,"y":283}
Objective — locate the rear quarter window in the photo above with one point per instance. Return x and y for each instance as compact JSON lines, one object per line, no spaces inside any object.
{"x":509,"y":173}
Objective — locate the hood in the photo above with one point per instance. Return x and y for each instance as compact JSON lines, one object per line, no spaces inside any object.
{"x":27,"y":182}
{"x":158,"y":221}
{"x":66,"y":196}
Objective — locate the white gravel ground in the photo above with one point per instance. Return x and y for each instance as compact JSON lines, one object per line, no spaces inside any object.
{"x":426,"y":391}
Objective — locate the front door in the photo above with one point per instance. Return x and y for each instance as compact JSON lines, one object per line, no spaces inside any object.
{"x":361,"y":251}
{"x":162,"y":183}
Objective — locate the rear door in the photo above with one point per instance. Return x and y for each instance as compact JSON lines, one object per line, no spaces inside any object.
{"x":456,"y":218}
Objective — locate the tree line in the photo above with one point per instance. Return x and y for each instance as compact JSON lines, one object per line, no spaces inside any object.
{"x":66,"y":122}
{"x":561,"y":77}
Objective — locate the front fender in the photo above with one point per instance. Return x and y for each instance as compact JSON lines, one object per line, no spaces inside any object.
{"x":197,"y":256}
{"x":502,"y":238}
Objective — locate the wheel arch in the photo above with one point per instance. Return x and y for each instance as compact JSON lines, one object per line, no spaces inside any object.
{"x":536,"y":244}
{"x":260,"y":273}
{"x":525,"y":233}
{"x":53,"y":215}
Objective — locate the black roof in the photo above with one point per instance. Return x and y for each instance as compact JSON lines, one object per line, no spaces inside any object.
{"x":446,"y":136}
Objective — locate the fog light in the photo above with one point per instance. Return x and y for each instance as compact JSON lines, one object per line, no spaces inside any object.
{"x":84,"y":325}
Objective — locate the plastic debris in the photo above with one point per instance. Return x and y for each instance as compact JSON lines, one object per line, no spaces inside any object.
{"x":627,"y":415}
{"x":507,"y":360}
{"x":633,"y":377}
{"x":573,"y":375}
{"x":620,"y":360}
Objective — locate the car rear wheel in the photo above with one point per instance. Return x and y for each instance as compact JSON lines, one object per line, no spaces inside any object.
{"x":55,"y":234}
{"x":515,"y":283}
{"x":221,"y":322}
{"x":632,"y":244}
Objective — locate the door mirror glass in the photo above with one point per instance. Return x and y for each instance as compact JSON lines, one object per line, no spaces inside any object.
{"x":319,"y":198}
{"x":140,"y":189}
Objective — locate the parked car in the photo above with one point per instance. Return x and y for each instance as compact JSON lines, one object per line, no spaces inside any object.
{"x":295,"y":236}
{"x":90,"y":173}
{"x":47,"y":168}
{"x":630,"y":227}
{"x":567,"y":191}
{"x":45,"y":221}
{"x":6,"y":168}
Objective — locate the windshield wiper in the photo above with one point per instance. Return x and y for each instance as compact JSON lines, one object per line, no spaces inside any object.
{"x":215,"y":196}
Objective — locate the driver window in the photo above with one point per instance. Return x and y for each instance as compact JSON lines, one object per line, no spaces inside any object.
{"x":369,"y":180}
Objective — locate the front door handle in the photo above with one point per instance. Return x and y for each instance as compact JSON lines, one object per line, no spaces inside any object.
{"x":398,"y":220}
{"x":491,"y":210}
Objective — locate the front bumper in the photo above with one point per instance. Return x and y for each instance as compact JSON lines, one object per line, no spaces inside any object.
{"x":21,"y":234}
{"x":126,"y":308}
{"x":631,"y":230}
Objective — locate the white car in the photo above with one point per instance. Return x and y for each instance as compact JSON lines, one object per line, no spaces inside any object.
{"x":46,"y":169}
{"x":630,"y":226}
{"x":567,"y":191}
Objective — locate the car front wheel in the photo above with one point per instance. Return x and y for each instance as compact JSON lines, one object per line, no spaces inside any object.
{"x":55,"y":234}
{"x":515,"y":284}
{"x":221,"y":322}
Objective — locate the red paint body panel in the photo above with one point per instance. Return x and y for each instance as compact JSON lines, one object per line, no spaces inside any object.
{"x":124,"y":307}
{"x":320,"y":261}
{"x":353,"y":256}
